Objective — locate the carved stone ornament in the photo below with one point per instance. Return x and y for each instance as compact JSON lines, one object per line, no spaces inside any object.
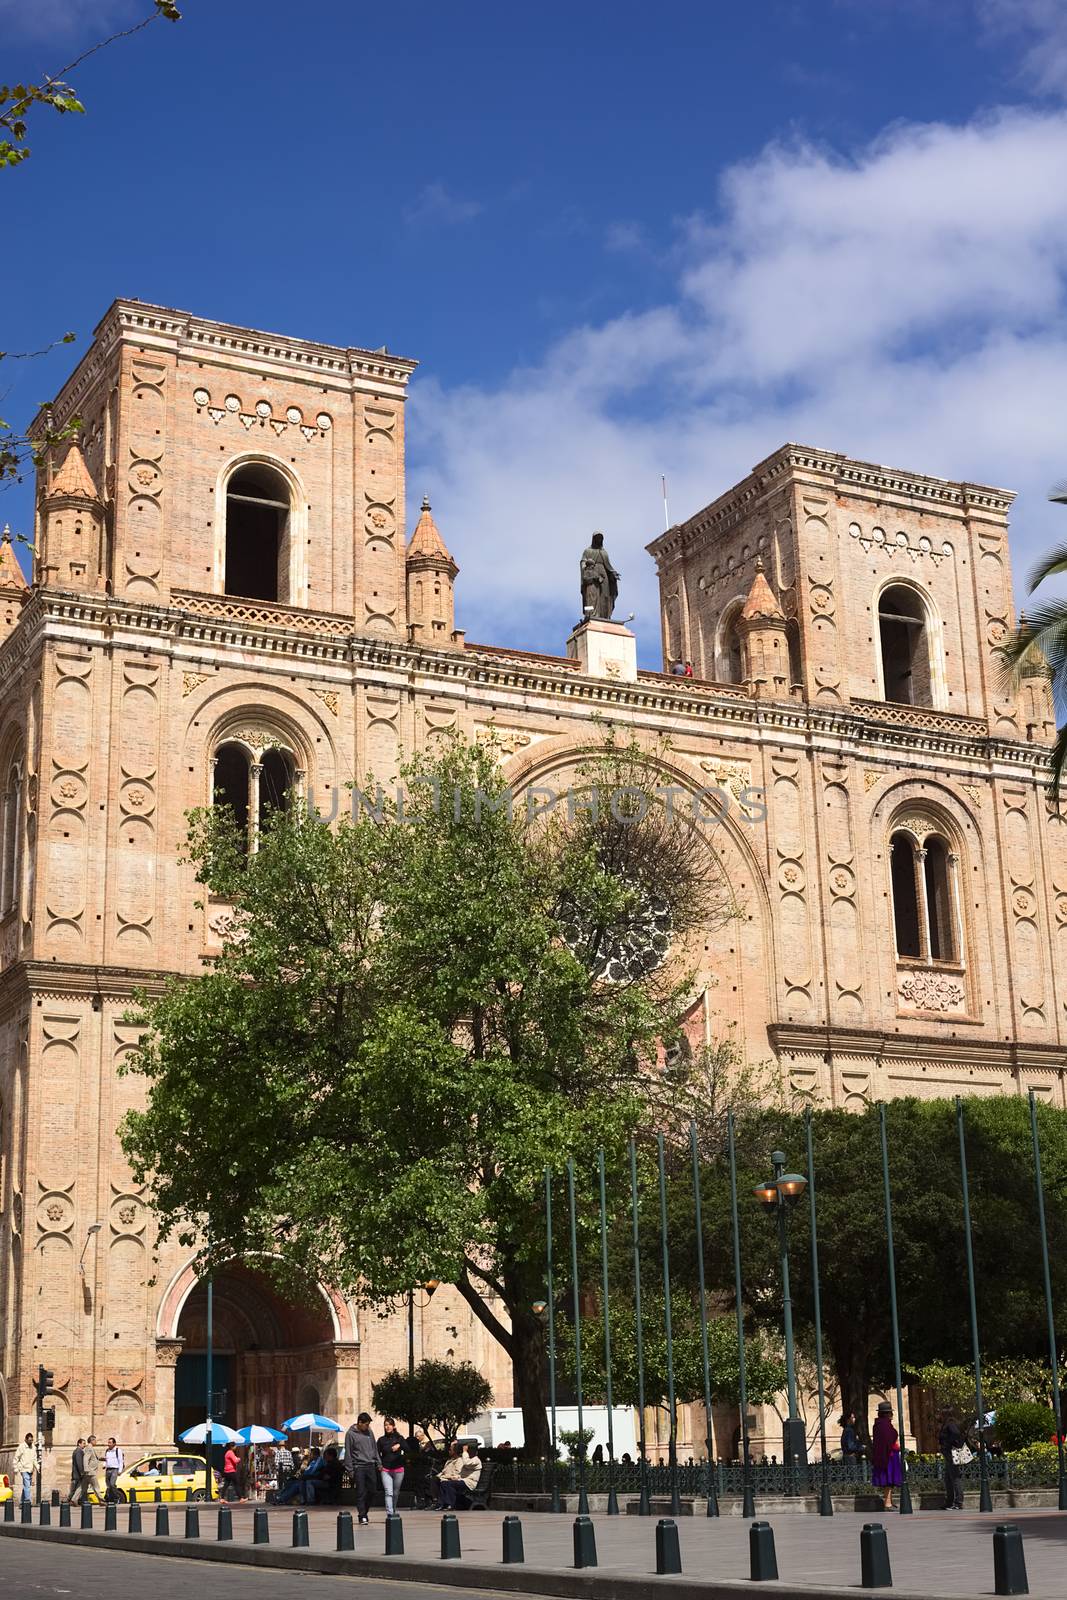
{"x":736,"y":776}
{"x":330,"y":699}
{"x":168,"y":1351}
{"x":932,"y":991}
{"x":506,"y":740}
{"x":869,"y":781}
{"x":918,"y":826}
{"x":191,"y":681}
{"x":127,"y":1214}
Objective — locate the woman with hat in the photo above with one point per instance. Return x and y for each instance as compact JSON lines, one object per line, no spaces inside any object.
{"x":885,"y":1454}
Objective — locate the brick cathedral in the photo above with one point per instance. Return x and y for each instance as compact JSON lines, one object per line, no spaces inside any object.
{"x":225,"y":600}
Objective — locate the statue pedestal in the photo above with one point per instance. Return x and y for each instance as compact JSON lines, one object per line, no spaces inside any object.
{"x":604,"y":650}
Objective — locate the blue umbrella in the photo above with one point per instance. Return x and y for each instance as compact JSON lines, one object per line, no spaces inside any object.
{"x":257,"y":1433}
{"x":220,"y":1434}
{"x":309,"y":1420}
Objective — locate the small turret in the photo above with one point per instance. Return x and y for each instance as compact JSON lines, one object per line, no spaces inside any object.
{"x":1035,"y":690}
{"x":764,"y":635}
{"x":72,"y":528}
{"x":13,"y":586}
{"x":431,"y":576}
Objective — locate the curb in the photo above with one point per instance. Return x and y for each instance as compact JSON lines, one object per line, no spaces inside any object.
{"x":569,"y":1584}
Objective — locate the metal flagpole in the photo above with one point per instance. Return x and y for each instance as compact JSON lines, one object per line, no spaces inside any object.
{"x":672,"y":1435}
{"x":1053,"y":1358}
{"x":210,"y":1485}
{"x":985,"y":1499}
{"x":905,"y":1488}
{"x":583,"y":1498}
{"x":644,"y":1508}
{"x":551,"y":1339}
{"x":748,"y":1506}
{"x":613,"y":1499}
{"x":709,"y":1466}
{"x":826,"y":1505}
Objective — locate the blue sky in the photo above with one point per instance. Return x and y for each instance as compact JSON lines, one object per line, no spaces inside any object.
{"x":622,"y":240}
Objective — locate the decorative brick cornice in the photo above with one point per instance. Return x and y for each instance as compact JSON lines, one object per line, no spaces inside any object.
{"x":991,"y":1054}
{"x":794,"y":461}
{"x":57,"y":980}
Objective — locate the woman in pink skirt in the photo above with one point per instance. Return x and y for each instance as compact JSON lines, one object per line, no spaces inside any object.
{"x":885,"y":1454}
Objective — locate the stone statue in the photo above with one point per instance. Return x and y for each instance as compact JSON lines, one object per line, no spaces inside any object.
{"x":600,"y":582}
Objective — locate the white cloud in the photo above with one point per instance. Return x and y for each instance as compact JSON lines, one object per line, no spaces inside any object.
{"x":906,"y":306}
{"x":435,"y":204}
{"x":1038,"y":30}
{"x":65,"y":20}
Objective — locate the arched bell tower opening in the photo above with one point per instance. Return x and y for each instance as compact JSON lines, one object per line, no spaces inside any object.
{"x":268,"y":1352}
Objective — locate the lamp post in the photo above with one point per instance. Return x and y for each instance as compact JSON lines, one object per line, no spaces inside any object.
{"x":709,"y":1464}
{"x":748,"y":1503}
{"x":826,"y":1505}
{"x":430,"y":1286}
{"x":583,"y":1497}
{"x":613,"y":1499}
{"x":644,"y":1505}
{"x":1053,"y":1358}
{"x":985,"y":1499}
{"x":672,"y":1408}
{"x":905,"y":1488}
{"x":551,"y":1309}
{"x":778,"y":1196}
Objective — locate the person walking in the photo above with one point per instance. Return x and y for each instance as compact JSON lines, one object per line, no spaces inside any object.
{"x":91,"y":1470}
{"x":361,"y":1463}
{"x":114,"y":1464}
{"x":851,"y":1443}
{"x":955,"y":1451}
{"x":24,"y":1464}
{"x":77,"y":1468}
{"x":231,"y":1473}
{"x":392,"y":1462}
{"x":885,"y":1455}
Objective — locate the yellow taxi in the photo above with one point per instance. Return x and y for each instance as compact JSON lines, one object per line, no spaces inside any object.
{"x":176,"y":1476}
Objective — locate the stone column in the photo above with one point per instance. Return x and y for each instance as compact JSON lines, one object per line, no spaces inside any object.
{"x":167,"y":1353}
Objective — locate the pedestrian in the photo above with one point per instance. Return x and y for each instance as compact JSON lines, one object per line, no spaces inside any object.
{"x":448,"y":1479}
{"x":598,"y":1456}
{"x":24,"y":1461}
{"x":677,"y":669}
{"x":955,"y":1452}
{"x":687,"y":671}
{"x":851,"y":1443}
{"x":391,"y":1458}
{"x":91,"y":1470}
{"x":231,"y":1472}
{"x":361,"y":1463}
{"x":77,"y":1468}
{"x":114,"y":1464}
{"x":885,"y":1455}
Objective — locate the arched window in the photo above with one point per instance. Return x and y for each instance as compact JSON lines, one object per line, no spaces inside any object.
{"x":11,"y":844}
{"x":925,"y":919}
{"x":904,"y":644}
{"x":729,"y":661}
{"x":258,"y":511}
{"x":253,"y":784}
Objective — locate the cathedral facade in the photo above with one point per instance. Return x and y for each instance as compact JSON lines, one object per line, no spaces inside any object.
{"x":225,"y":602}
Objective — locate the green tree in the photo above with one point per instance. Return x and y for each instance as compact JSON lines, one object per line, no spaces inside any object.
{"x":1039,"y":644}
{"x":439,"y":1396}
{"x":408,"y":1024}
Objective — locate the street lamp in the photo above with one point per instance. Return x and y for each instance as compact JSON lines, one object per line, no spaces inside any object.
{"x":779,"y":1195}
{"x":430,"y":1286}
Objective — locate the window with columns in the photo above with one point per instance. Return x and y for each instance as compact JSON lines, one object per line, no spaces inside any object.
{"x":924,"y":870}
{"x":11,"y":837}
{"x":254,"y":776}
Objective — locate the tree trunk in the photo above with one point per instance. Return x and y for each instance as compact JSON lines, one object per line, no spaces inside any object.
{"x":531,"y":1380}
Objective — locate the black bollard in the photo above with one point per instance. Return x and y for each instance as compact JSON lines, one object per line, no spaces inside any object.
{"x":300,"y":1530}
{"x":748,"y":1501}
{"x":345,"y":1535}
{"x":512,"y":1541}
{"x":394,"y":1535}
{"x":584,"y":1543}
{"x":64,"y":1514}
{"x":225,"y":1529}
{"x":46,"y":1514}
{"x":613,"y":1502}
{"x":55,"y":1497}
{"x":158,"y":1495}
{"x":135,"y":1517}
{"x":260,"y":1526}
{"x":162,"y":1522}
{"x":826,"y":1504}
{"x":192,"y":1522}
{"x":668,"y":1552}
{"x":762,"y":1560}
{"x":713,"y":1499}
{"x":86,"y":1514}
{"x":9,"y":1510}
{"x":26,"y":1511}
{"x":449,"y":1537}
{"x":874,"y":1557}
{"x":111,"y":1518}
{"x":1009,"y":1563}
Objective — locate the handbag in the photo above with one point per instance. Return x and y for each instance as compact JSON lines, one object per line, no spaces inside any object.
{"x":962,"y":1454}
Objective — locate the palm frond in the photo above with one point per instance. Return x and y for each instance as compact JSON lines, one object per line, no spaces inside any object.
{"x":1051,"y":564}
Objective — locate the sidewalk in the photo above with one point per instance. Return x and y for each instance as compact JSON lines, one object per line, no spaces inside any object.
{"x":935,"y":1556}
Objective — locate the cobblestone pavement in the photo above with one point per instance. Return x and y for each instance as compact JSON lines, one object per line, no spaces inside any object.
{"x":943,"y":1556}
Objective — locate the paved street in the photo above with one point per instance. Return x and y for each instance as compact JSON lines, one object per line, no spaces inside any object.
{"x":939,"y":1555}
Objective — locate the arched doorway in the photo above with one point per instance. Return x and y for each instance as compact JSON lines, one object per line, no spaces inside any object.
{"x":268,"y":1353}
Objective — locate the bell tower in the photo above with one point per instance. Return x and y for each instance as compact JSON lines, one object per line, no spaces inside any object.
{"x":431,"y":577}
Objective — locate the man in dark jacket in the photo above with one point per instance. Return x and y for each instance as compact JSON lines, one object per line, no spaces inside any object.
{"x":77,"y":1468}
{"x":950,"y":1439}
{"x":361,"y":1462}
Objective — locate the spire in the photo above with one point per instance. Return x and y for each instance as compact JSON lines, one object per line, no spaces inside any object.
{"x":73,"y":478}
{"x":761,"y":601}
{"x":426,"y":542}
{"x":1033,"y":662}
{"x":11,"y":574}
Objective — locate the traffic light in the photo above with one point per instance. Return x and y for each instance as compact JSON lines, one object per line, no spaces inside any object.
{"x":43,"y":1383}
{"x":48,"y":1418}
